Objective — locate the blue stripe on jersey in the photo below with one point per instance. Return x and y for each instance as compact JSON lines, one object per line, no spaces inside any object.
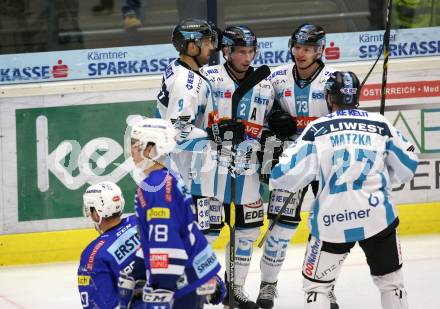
{"x":190,"y":145}
{"x":244,"y":106}
{"x":355,"y":234}
{"x":314,"y":221}
{"x":302,"y":100}
{"x":196,"y":186}
{"x":343,"y":124}
{"x":280,"y":169}
{"x":239,"y":185}
{"x":389,"y":213}
{"x":403,"y":157}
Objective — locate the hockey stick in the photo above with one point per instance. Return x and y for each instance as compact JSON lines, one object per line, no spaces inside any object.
{"x":386,"y":42}
{"x":386,"y":48}
{"x":246,"y":85}
{"x":277,"y":218}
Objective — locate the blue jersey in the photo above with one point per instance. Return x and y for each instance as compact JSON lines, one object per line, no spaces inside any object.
{"x":180,"y":258}
{"x":102,"y":260}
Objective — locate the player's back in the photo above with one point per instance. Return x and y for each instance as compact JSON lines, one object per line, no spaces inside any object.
{"x":355,"y":151}
{"x":101,"y":262}
{"x":170,"y":237}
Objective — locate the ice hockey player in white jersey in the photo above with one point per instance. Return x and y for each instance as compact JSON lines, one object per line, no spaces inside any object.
{"x":299,"y":94}
{"x":357,"y":157}
{"x":239,"y":46}
{"x":182,"y":100}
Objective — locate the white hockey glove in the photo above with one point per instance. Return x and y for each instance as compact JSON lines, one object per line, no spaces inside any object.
{"x":160,"y":297}
{"x":125,"y":291}
{"x":217,"y":290}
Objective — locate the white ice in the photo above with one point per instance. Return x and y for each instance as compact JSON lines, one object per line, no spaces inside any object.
{"x":54,"y":285}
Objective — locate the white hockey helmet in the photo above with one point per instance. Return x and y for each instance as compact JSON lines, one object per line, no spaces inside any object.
{"x":106,"y":198}
{"x":157,"y":131}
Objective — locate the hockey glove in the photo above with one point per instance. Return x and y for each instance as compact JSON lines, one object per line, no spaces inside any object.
{"x":219,"y":293}
{"x":271,"y":149}
{"x":125,"y":290}
{"x":227,"y":130}
{"x":159,"y":298}
{"x":282,"y":124}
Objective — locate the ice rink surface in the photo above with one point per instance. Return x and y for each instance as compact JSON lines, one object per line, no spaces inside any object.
{"x":53,"y":286}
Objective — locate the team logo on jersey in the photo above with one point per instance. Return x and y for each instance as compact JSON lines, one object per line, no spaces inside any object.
{"x":158,"y":213}
{"x":83,"y":280}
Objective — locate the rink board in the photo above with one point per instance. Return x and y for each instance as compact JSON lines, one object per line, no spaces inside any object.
{"x":72,"y":122}
{"x":46,"y":247}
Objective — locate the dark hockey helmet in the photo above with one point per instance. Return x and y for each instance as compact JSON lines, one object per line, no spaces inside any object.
{"x":343,"y":88}
{"x":239,"y":36}
{"x":192,"y":30}
{"x":308,"y":34}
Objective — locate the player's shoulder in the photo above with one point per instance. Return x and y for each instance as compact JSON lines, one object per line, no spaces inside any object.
{"x":281,"y":71}
{"x":326,"y":72}
{"x":212,"y":70}
{"x":95,"y":251}
{"x":171,"y":69}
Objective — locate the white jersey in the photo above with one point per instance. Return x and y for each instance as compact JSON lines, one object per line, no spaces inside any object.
{"x":357,"y":157}
{"x":252,"y":109}
{"x":303,"y":101}
{"x":182,"y":100}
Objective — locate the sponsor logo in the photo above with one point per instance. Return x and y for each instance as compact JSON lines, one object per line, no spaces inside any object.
{"x":159,"y":260}
{"x":287,"y":93}
{"x":311,"y":259}
{"x":124,"y":67}
{"x":223,"y":94}
{"x":345,"y":216}
{"x":168,"y":189}
{"x":333,"y":52}
{"x":261,"y":101}
{"x":83,"y":280}
{"x":125,"y":245}
{"x":204,"y":262}
{"x":356,"y":126}
{"x":92,"y":256}
{"x":190,"y":80}
{"x":273,"y":57}
{"x":158,"y":213}
{"x":403,"y":49}
{"x":303,"y":121}
{"x":318,"y":95}
{"x":141,"y":198}
{"x":58,"y":70}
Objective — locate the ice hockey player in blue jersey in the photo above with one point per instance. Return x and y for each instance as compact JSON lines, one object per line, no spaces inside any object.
{"x":181,"y":266}
{"x":357,"y":157}
{"x":112,"y":253}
